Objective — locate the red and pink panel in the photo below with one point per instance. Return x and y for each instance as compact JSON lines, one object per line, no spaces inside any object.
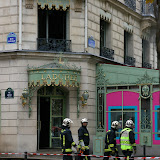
{"x":126,"y":100}
{"x":156,"y":117}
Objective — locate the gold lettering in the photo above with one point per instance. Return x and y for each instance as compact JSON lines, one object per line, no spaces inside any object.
{"x":66,"y":77}
{"x":42,"y":77}
{"x":54,"y":77}
{"x":48,"y":77}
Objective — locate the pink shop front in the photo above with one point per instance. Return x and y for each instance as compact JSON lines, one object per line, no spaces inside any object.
{"x":128,"y":93}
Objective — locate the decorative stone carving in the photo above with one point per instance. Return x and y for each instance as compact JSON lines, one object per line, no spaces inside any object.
{"x":78,"y":5}
{"x":29,"y":4}
{"x":128,"y":19}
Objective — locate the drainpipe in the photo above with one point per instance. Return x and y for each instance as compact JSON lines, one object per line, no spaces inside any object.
{"x":86,"y":25}
{"x":20,"y":24}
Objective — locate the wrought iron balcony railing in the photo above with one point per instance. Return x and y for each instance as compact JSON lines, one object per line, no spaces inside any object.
{"x":131,"y":4}
{"x":50,"y":44}
{"x":107,"y":53}
{"x":129,"y":60}
{"x":146,"y":65}
{"x":147,"y":9}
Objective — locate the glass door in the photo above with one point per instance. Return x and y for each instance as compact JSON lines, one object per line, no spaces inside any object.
{"x":56,"y":118}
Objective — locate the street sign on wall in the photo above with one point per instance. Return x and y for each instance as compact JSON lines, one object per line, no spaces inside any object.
{"x":9,"y":93}
{"x":11,"y":38}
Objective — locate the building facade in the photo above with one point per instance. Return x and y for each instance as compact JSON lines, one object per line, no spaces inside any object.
{"x":54,"y":54}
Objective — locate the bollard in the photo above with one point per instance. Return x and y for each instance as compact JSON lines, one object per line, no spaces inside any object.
{"x":25,"y":155}
{"x":144,"y":151}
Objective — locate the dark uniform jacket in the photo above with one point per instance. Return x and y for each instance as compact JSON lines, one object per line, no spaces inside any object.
{"x":110,"y":140}
{"x":66,"y":139}
{"x":83,"y":135}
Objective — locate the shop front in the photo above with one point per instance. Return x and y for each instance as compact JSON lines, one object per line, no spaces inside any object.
{"x":128,"y":93}
{"x":52,"y":83}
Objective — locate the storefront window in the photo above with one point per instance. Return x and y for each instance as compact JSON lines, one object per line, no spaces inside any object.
{"x":122,"y":106}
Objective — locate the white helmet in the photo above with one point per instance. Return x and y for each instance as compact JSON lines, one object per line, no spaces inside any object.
{"x":84,"y":120}
{"x":129,"y":123}
{"x":67,"y":122}
{"x":115,"y":124}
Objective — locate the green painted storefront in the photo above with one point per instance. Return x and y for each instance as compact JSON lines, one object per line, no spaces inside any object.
{"x":127,"y":93}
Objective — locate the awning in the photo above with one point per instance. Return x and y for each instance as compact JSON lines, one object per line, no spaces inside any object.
{"x":57,"y":73}
{"x":64,"y":4}
{"x":54,"y":74}
{"x":105,"y":15}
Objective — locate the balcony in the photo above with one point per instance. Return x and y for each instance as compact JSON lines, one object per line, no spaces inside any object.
{"x":130,"y":4}
{"x":147,"y":9}
{"x":50,"y":44}
{"x":129,"y":60}
{"x":146,"y":65}
{"x":107,"y":53}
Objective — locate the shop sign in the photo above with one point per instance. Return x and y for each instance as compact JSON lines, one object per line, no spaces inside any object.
{"x":11,"y":38}
{"x":9,"y":93}
{"x":91,"y":42}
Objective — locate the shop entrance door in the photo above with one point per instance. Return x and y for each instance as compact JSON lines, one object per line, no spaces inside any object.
{"x":50,"y":116}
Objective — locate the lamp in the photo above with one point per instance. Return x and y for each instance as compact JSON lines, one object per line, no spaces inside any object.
{"x":24,"y":96}
{"x":84,"y":98}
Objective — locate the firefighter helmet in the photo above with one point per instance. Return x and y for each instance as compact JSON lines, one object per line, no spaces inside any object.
{"x":129,"y":123}
{"x":84,"y":120}
{"x":67,"y":122}
{"x":115,"y":124}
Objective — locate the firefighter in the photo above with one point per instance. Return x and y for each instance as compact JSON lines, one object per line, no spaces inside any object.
{"x":128,"y":144}
{"x":84,"y":139}
{"x":66,"y":139}
{"x":110,"y":141}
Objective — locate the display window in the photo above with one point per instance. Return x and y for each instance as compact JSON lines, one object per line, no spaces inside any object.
{"x":122,"y":106}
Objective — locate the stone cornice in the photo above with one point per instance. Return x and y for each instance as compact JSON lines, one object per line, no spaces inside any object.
{"x":129,"y":11}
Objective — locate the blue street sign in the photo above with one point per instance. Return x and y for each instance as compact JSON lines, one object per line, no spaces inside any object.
{"x":91,"y":42}
{"x":11,"y":38}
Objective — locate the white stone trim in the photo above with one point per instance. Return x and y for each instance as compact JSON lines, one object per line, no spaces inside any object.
{"x":105,"y":15}
{"x":128,"y":27}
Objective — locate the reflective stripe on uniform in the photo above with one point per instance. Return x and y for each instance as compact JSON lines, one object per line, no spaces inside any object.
{"x":67,"y":150}
{"x":63,"y":140}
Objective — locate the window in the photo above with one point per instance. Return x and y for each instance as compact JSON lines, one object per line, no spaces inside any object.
{"x":146,"y":54}
{"x":131,"y":4}
{"x":128,"y":49}
{"x":105,"y":40}
{"x":53,"y":29}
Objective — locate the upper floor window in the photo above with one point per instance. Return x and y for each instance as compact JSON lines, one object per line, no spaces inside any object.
{"x":105,"y":40}
{"x":146,"y":54}
{"x":131,"y":4}
{"x":128,"y":49}
{"x":53,"y":29}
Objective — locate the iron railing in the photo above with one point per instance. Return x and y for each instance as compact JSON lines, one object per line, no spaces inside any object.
{"x":129,"y":60}
{"x":107,"y":53}
{"x":147,"y":8}
{"x":131,"y":4}
{"x":146,"y":65}
{"x":50,"y":44}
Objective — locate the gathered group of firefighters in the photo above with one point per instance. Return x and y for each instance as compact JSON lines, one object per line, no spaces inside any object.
{"x":127,"y":140}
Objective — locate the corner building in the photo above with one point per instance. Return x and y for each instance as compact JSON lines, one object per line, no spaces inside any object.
{"x":52,"y":51}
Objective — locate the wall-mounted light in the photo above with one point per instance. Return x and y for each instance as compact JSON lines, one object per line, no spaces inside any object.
{"x":84,"y":98}
{"x":24,"y":96}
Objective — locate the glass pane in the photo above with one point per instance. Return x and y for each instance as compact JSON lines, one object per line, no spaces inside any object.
{"x":57,"y":107}
{"x":56,"y":143}
{"x":128,"y":116}
{"x":41,"y":91}
{"x":158,"y":121}
{"x":56,"y":126}
{"x":59,"y":92}
{"x":49,"y":90}
{"x":117,"y":116}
